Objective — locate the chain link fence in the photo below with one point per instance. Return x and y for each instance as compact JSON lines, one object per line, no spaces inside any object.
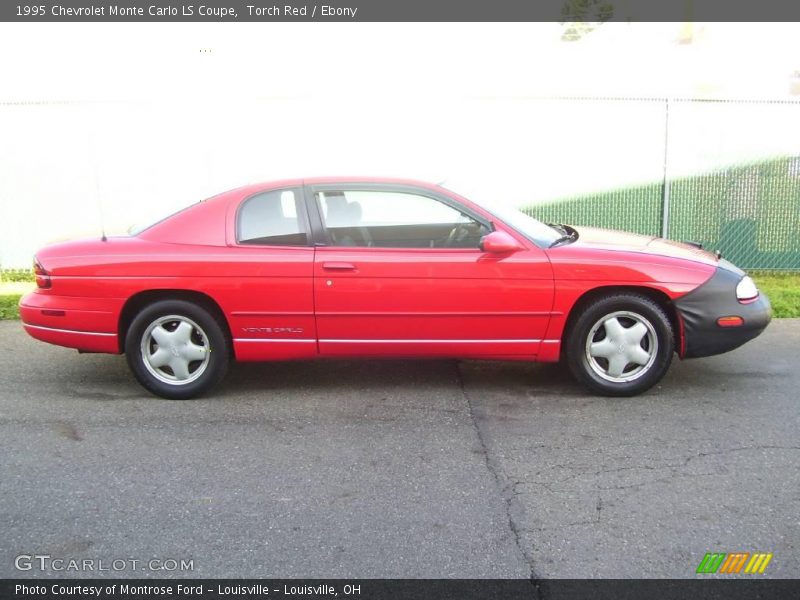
{"x":744,"y":200}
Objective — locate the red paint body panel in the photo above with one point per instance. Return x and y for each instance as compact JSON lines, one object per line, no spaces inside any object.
{"x":88,"y":324}
{"x":302,"y":302}
{"x":69,"y":339}
{"x":432,"y":295}
{"x":82,"y":314}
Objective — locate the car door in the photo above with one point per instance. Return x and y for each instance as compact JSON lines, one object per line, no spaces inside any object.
{"x":398,"y":272}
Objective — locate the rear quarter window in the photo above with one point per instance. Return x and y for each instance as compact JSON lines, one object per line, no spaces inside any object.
{"x":272,"y":219}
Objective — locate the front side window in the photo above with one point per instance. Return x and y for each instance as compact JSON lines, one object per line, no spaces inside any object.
{"x":271,"y":219}
{"x":396,"y":220}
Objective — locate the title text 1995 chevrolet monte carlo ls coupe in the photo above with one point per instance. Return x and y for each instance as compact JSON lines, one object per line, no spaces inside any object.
{"x":385,"y":268}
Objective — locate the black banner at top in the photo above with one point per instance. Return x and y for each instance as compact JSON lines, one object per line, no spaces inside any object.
{"x":400,"y":10}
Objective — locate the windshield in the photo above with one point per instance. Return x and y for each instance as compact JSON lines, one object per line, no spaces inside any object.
{"x":536,"y":231}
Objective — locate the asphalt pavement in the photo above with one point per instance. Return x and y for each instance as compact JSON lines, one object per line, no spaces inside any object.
{"x":398,"y":468}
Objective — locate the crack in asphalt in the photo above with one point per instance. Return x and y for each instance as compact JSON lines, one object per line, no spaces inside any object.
{"x":505,"y":489}
{"x":739,"y":449}
{"x":674,"y":468}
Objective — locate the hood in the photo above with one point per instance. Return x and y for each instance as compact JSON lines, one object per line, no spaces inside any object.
{"x":608,"y":239}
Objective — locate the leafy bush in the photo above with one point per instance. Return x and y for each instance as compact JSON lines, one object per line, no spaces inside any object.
{"x":16,"y":275}
{"x":8,"y":306}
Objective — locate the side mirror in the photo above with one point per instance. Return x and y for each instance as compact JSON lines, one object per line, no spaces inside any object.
{"x":499,"y":242}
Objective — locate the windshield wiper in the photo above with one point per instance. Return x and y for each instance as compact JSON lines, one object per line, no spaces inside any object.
{"x":569,"y":234}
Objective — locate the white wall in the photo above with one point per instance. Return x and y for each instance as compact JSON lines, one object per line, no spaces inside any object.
{"x":130,"y":120}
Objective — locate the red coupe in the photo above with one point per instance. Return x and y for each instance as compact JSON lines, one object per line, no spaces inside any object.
{"x":338,"y":267}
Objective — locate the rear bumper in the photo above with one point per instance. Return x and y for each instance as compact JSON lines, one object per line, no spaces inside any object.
{"x":87,"y":324}
{"x":700,"y":309}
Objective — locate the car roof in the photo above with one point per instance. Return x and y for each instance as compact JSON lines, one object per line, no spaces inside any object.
{"x":362,"y":179}
{"x":337,"y":179}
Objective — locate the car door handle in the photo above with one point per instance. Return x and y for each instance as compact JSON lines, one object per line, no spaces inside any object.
{"x":338,"y":266}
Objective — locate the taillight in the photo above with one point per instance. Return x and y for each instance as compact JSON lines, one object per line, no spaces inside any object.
{"x":42,"y":277}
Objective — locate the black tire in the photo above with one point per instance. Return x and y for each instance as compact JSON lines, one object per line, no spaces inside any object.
{"x":207,"y":333}
{"x":633,"y":314}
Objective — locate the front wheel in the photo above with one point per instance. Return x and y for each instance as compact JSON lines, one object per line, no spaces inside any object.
{"x":620,"y":345}
{"x":176,"y":349}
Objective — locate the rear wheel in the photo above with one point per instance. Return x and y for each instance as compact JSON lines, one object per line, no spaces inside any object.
{"x":620,"y":345}
{"x":177,"y":349}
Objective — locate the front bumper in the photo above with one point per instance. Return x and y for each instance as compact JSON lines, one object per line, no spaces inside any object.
{"x":700,"y":309}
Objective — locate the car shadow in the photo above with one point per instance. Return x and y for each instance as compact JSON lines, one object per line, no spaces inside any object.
{"x":366,"y":375}
{"x":107,"y":378}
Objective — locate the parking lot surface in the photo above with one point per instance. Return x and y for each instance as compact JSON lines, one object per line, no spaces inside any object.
{"x":400,"y":468}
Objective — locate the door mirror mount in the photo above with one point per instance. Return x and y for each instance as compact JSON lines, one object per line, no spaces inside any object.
{"x":499,"y":242}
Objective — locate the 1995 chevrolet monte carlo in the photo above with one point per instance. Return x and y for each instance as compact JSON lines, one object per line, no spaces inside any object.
{"x":340,"y":267}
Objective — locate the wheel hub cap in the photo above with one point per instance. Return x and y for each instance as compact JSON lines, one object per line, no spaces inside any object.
{"x":175,"y":350}
{"x":621,"y":346}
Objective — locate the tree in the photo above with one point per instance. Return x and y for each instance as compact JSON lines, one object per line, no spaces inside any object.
{"x":581,"y":17}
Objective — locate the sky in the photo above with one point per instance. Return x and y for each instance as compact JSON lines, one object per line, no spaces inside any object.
{"x":143,"y":61}
{"x":109,"y":125}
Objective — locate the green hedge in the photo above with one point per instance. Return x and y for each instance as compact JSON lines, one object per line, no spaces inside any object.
{"x":16,"y":275}
{"x":8,"y":306}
